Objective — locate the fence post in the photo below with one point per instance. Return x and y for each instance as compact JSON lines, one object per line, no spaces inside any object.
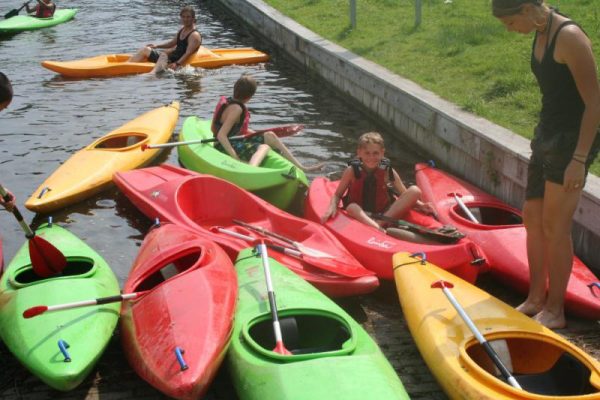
{"x":418,"y":4}
{"x":353,"y":13}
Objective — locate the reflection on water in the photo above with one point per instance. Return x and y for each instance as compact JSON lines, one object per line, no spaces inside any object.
{"x":51,"y":117}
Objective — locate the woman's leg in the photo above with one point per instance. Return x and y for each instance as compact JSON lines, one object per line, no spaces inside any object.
{"x":532,"y":218}
{"x":272,"y":140}
{"x":404,"y":202}
{"x":141,"y":55}
{"x":259,"y":155}
{"x":559,"y":207}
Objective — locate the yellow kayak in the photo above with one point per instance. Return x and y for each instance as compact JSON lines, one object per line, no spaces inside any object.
{"x":544,"y":364}
{"x":116,"y":64}
{"x":90,"y":170}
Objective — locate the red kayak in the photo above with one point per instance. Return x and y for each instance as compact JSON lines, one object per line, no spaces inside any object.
{"x":374,"y":249}
{"x":176,"y":335}
{"x":501,"y":235}
{"x":210,"y":205}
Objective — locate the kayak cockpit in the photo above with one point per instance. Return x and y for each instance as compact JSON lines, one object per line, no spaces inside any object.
{"x":541,"y":365}
{"x":122,"y":141}
{"x":165,"y":269}
{"x":493,"y":216}
{"x":307,"y":334}
{"x":80,"y":267}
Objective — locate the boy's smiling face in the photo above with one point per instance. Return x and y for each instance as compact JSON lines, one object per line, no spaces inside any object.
{"x":371,"y":155}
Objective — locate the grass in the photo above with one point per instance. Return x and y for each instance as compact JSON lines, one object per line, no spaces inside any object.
{"x":460,"y":51}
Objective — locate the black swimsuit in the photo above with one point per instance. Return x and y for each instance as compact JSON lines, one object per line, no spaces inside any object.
{"x":181,"y":47}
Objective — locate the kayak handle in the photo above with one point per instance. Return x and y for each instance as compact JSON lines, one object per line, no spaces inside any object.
{"x":420,"y":254}
{"x":592,"y":285}
{"x":179,"y":352}
{"x":291,"y":174}
{"x":63,"y":346}
{"x":43,"y":192}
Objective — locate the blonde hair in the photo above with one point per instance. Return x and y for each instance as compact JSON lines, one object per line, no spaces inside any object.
{"x":370,"y":137}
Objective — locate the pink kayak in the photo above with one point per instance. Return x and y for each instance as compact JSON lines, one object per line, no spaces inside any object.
{"x":501,"y":235}
{"x":374,"y":249}
{"x":176,"y":335}
{"x":210,"y":205}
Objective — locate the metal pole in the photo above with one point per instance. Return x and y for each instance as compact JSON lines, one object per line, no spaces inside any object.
{"x":353,"y":13}
{"x":418,"y":6}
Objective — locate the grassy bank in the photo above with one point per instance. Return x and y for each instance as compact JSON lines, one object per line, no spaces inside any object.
{"x":460,"y":51}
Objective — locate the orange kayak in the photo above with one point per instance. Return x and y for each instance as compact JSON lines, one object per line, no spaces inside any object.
{"x":117,"y":64}
{"x":90,"y":170}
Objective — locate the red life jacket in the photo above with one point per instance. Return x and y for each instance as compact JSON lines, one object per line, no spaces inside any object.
{"x":240,"y":128}
{"x":43,"y":11}
{"x":370,"y":191}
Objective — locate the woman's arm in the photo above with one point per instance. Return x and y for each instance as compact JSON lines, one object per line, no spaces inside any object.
{"x":575,"y":50}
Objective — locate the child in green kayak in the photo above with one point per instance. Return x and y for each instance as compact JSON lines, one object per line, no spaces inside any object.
{"x":368,"y":182}
{"x":43,"y":9}
{"x":231,"y":118}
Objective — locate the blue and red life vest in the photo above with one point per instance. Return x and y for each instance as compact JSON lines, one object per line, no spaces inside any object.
{"x":240,"y":128}
{"x":371,"y":191}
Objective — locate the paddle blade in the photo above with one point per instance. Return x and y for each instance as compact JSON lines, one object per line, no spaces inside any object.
{"x":11,"y":13}
{"x":280,"y":348}
{"x":46,"y":260}
{"x":34,"y":311}
{"x":144,"y":147}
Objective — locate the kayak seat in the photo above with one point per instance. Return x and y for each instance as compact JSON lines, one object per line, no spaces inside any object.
{"x":567,"y":377}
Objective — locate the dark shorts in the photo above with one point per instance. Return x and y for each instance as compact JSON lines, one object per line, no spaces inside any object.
{"x":153,"y":57}
{"x":244,"y":148}
{"x":549,"y":159}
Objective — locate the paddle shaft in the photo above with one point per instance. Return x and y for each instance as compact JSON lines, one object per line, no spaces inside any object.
{"x":285,"y":250}
{"x":15,"y":12}
{"x":486,"y":346}
{"x":262,"y":249}
{"x":28,"y":232}
{"x":98,"y":301}
{"x":465,"y":209}
{"x":184,"y":143}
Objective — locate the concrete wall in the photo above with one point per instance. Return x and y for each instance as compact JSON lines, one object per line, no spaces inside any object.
{"x":481,"y":152}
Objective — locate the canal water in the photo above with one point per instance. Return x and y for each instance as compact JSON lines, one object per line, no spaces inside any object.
{"x":52,"y":117}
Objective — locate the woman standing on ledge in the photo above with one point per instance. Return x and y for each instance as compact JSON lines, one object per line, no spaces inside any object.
{"x":564,"y":145}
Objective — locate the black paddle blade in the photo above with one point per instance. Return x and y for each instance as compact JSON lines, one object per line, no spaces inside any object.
{"x":12,"y":13}
{"x":46,"y":260}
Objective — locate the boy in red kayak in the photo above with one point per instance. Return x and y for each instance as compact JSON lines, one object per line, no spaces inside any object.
{"x":231,"y":118}
{"x":43,"y":9}
{"x":370,"y":182}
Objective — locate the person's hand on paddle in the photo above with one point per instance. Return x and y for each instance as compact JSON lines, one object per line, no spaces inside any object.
{"x":10,"y":204}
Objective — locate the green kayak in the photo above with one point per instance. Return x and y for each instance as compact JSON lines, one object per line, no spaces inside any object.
{"x":21,"y":23}
{"x":82,"y":333}
{"x":333,"y":357}
{"x":277,"y":180}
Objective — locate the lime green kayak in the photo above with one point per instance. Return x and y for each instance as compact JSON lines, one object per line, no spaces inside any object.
{"x":82,"y":332}
{"x":277,"y":180}
{"x":21,"y":23}
{"x":332,"y":357}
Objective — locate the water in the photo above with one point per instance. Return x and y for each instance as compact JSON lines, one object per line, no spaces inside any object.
{"x":52,"y":117}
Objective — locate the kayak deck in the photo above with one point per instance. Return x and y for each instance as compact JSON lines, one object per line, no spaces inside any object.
{"x":22,"y":23}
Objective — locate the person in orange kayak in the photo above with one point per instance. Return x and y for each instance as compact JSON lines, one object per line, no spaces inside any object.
{"x":43,"y":8}
{"x":231,"y":118}
{"x":564,"y":146}
{"x":178,"y":50}
{"x":6,"y":95}
{"x":372,"y":185}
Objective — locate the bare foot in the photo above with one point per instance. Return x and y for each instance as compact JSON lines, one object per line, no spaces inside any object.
{"x":312,"y":168}
{"x":551,"y":320}
{"x":530,"y":308}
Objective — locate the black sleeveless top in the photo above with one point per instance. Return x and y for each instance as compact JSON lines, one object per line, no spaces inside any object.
{"x":562,"y":106}
{"x":181,"y":47}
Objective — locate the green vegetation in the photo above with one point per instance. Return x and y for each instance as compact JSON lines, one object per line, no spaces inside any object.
{"x":460,"y":51}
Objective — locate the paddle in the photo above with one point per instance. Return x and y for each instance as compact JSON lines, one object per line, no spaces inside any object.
{"x":281,"y":131}
{"x":299,"y":246}
{"x":326,"y":264}
{"x":39,"y":310}
{"x":261,"y":248}
{"x":46,"y":260}
{"x":14,"y":12}
{"x":446,"y":286}
{"x":436,"y":234}
{"x":465,"y":208}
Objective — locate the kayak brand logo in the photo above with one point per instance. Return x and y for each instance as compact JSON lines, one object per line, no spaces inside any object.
{"x":155,"y":194}
{"x":384,"y":244}
{"x":229,"y":164}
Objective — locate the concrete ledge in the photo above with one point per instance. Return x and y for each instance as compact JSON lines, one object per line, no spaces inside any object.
{"x":481,"y":152}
